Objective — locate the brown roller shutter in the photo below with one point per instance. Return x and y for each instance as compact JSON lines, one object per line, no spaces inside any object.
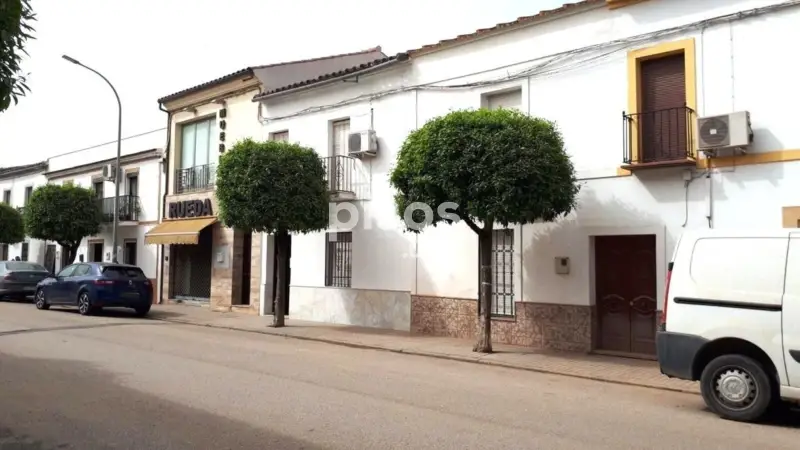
{"x":663,"y":119}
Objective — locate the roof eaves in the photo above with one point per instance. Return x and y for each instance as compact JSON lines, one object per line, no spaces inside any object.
{"x":322,"y":58}
{"x":566,"y":9}
{"x":143,"y":155}
{"x":14,"y":171}
{"x":333,"y":76}
{"x":206,"y":85}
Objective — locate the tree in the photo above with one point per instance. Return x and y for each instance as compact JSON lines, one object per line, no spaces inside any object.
{"x":15,"y":29}
{"x":496,"y":167}
{"x":12,"y":228}
{"x":273,"y":187}
{"x":64,"y":214}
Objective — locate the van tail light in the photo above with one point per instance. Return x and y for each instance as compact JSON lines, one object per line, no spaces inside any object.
{"x":663,"y":324}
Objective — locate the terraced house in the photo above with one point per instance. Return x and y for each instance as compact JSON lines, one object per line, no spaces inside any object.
{"x":16,"y":185}
{"x":205,"y":262}
{"x":676,"y":115}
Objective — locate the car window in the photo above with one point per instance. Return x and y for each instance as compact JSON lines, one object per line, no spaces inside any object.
{"x":82,"y":270}
{"x":19,"y":265}
{"x":123,"y":273}
{"x":2,"y":268}
{"x":67,"y":271}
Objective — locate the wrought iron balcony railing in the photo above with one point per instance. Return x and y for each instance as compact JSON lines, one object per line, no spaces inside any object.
{"x":340,"y":172}
{"x":655,"y":137}
{"x":128,"y":206}
{"x":197,"y":178}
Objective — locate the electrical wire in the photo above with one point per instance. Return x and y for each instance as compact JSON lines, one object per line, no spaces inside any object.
{"x":548,"y":65}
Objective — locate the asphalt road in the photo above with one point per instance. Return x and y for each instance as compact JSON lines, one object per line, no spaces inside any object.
{"x":72,"y":382}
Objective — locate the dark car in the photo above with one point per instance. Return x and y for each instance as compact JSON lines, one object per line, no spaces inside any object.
{"x":18,"y":279}
{"x":92,"y":286}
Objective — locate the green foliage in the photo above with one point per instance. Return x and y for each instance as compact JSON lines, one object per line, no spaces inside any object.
{"x":15,"y":30}
{"x":272,"y":187}
{"x":12,"y":228}
{"x":64,"y":214}
{"x":497,"y":165}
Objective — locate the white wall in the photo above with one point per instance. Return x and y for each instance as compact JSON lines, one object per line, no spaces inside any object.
{"x":736,"y":70}
{"x":17,"y":185}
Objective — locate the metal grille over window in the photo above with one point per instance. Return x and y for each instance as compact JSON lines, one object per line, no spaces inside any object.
{"x":281,"y":136}
{"x":503,"y":273}
{"x":24,"y":256}
{"x":339,"y":259}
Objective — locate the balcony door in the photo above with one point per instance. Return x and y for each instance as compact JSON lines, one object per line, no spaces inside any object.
{"x":340,"y":176}
{"x":664,"y":121}
{"x":197,"y":157}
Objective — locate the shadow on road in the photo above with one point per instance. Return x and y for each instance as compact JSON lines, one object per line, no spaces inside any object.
{"x":54,"y":404}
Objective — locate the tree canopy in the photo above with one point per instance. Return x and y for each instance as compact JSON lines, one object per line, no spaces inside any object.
{"x":64,"y":214}
{"x":12,"y":228}
{"x":15,"y":29}
{"x":488,"y":167}
{"x":272,"y":187}
{"x":498,"y":165}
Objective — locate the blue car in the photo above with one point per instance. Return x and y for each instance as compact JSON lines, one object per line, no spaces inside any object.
{"x":92,"y":286}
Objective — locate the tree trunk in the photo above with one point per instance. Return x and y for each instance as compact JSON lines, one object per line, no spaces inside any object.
{"x":72,"y":251}
{"x":282,"y":250}
{"x":484,"y":344}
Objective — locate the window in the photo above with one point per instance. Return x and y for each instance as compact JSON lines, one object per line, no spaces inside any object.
{"x":97,"y":187}
{"x":506,"y":99}
{"x":196,"y":139}
{"x":279,"y":136}
{"x":123,"y":273}
{"x":82,"y":270}
{"x":502,"y":273}
{"x":339,"y":259}
{"x":133,"y":185}
{"x":7,"y":196}
{"x":24,"y":255}
{"x":25,"y":266}
{"x":28,"y":193}
{"x":3,"y":252}
{"x":67,"y":271}
{"x":340,"y":131}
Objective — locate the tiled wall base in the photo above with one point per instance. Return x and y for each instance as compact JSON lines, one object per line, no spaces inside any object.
{"x":538,"y":325}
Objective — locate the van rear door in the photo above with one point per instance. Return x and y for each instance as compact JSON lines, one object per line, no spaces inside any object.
{"x":791,"y":312}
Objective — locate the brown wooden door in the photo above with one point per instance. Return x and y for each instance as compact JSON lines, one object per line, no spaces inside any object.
{"x":625,"y":274}
{"x":663,"y":119}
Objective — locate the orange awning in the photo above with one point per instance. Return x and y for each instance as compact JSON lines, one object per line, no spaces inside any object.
{"x":178,"y":231}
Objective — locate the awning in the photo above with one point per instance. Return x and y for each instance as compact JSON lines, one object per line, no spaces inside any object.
{"x":178,"y":231}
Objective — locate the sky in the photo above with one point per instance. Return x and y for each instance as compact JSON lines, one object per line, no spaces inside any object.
{"x":152,"y":48}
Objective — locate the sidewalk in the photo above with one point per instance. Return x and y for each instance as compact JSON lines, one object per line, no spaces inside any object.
{"x":594,"y":367}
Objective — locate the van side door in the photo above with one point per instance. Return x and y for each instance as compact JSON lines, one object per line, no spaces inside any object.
{"x":791,"y":311}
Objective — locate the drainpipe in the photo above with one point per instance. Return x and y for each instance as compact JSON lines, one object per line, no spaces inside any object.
{"x":163,"y":201}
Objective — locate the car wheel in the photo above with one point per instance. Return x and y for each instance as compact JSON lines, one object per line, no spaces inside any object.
{"x":40,"y":300}
{"x":142,"y":311}
{"x":736,"y":387}
{"x":84,"y":304}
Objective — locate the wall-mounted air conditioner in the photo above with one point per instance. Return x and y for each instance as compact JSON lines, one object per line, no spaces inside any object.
{"x":362,"y":143}
{"x":108,"y":172}
{"x":726,"y":131}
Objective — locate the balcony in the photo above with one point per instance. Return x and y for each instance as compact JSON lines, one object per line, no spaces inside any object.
{"x":340,"y":174}
{"x":658,"y":139}
{"x":197,"y":178}
{"x":128,"y":206}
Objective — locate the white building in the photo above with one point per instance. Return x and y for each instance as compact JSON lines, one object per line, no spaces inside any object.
{"x":626,"y":82}
{"x":17,"y":185}
{"x":141,"y":193}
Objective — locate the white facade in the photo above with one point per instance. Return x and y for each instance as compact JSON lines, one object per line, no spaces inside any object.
{"x":585,"y":90}
{"x":16,"y":187}
{"x":142,"y":177}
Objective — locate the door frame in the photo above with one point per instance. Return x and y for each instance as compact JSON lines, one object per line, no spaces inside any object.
{"x":662,"y":245}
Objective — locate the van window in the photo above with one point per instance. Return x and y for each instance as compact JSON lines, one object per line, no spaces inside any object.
{"x":739,"y":269}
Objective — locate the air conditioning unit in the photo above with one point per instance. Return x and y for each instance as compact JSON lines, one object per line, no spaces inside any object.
{"x":731,"y":130}
{"x":108,"y":172}
{"x":362,"y":143}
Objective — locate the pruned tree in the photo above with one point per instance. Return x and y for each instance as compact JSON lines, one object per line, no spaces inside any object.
{"x":488,"y":167}
{"x":64,"y":214}
{"x":12,"y":228}
{"x":277,"y":188}
{"x":16,"y":17}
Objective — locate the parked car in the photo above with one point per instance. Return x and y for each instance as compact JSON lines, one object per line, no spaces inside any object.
{"x":18,"y":279}
{"x":92,"y":286}
{"x":731,"y":319}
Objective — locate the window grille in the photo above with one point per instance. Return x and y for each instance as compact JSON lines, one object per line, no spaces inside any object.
{"x":339,"y":259}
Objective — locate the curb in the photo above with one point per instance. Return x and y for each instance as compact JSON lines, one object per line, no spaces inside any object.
{"x":431,"y":355}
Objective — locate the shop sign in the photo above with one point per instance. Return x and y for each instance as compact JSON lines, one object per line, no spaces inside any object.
{"x":190,"y":208}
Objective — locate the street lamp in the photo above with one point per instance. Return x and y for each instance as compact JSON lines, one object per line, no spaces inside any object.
{"x":119,"y":150}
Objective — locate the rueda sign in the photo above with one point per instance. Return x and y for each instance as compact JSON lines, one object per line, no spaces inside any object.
{"x":187,"y":209}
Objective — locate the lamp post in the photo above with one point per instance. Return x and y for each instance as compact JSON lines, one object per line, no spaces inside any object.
{"x":119,"y":150}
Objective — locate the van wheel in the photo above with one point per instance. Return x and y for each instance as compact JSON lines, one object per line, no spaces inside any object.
{"x":736,"y":387}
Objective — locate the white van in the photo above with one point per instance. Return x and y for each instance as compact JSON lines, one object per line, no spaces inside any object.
{"x":731,"y":319}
